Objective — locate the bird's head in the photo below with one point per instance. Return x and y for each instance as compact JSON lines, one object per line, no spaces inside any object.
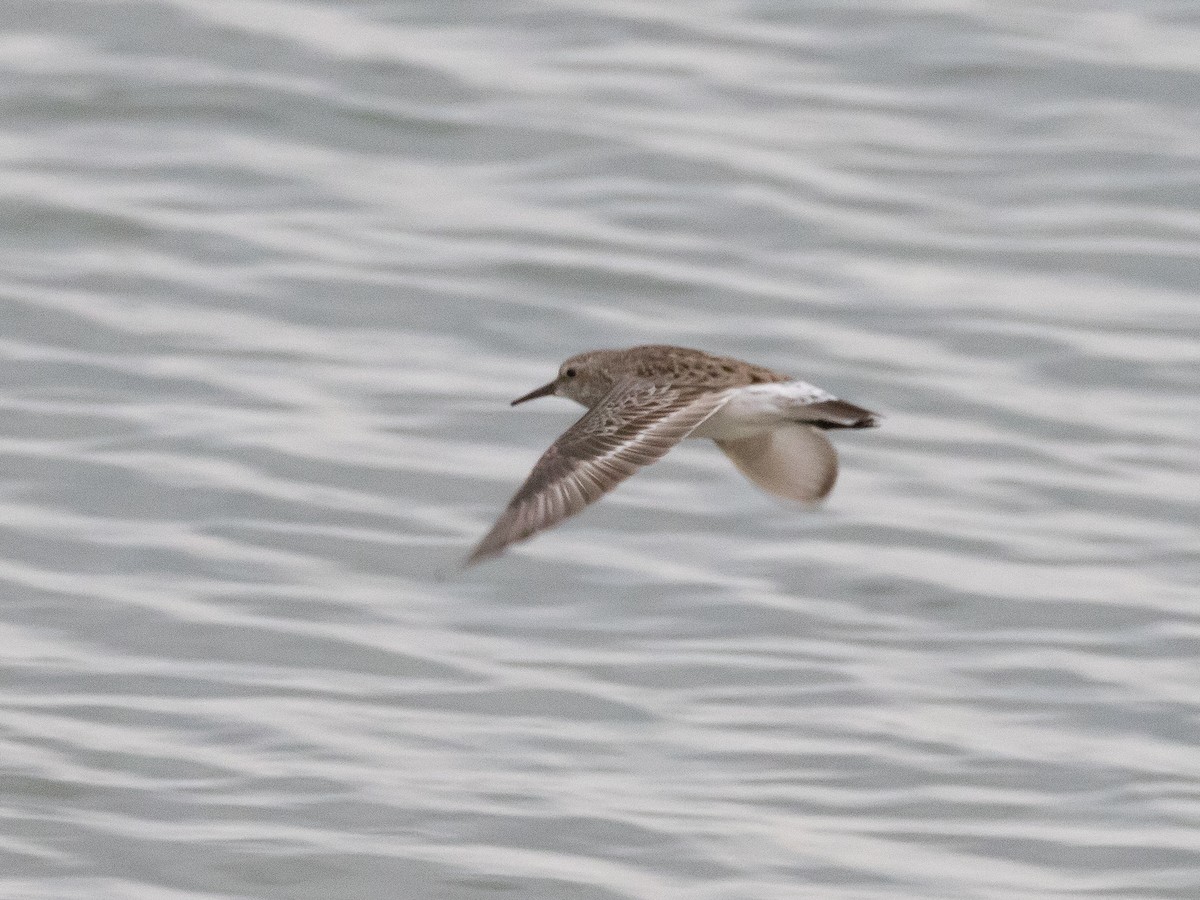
{"x":583,"y":378}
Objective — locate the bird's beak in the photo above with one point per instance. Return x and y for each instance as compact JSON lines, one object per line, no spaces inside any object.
{"x":544,"y":391}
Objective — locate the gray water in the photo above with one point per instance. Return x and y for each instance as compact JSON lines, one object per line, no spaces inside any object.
{"x":270,"y":273}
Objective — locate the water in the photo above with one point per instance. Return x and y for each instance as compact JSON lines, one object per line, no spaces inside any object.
{"x":269,"y":274}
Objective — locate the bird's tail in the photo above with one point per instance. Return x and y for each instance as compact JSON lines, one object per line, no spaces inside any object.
{"x":836,"y":414}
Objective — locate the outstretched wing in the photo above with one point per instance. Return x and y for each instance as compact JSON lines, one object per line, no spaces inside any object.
{"x":635,"y":424}
{"x":793,"y":461}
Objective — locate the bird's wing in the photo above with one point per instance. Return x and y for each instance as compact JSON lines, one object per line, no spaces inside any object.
{"x":635,"y":424}
{"x":794,"y":461}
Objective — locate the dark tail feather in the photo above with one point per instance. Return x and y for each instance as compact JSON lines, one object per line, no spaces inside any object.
{"x":837,"y":414}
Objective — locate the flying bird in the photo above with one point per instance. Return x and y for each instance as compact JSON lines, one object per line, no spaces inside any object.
{"x":642,"y":401}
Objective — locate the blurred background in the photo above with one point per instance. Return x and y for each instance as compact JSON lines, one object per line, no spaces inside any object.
{"x":270,"y":273}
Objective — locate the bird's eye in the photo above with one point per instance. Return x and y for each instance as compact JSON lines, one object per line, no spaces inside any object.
{"x":570,"y":373}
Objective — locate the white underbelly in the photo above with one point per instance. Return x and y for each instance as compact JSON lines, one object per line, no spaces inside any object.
{"x":758,"y":408}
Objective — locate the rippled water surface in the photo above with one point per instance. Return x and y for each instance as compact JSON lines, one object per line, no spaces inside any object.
{"x":270,"y":273}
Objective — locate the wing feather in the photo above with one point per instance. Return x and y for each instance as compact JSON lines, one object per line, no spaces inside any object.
{"x":635,"y":424}
{"x":794,"y":461}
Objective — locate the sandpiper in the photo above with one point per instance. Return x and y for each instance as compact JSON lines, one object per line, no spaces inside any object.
{"x":643,"y":401}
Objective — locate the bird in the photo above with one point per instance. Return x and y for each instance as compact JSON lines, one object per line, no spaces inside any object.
{"x":642,"y":401}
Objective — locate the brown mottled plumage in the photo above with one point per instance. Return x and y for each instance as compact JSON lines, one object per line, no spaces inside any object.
{"x":644,"y":400}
